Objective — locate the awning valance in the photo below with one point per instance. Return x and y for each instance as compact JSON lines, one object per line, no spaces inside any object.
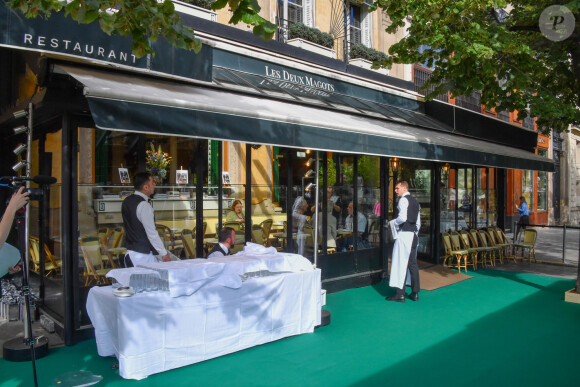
{"x":124,"y":102}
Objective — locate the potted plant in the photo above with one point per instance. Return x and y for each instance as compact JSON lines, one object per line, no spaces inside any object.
{"x":311,"y":39}
{"x":198,"y":8}
{"x":364,"y":57}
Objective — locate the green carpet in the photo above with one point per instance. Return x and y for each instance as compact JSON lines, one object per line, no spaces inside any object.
{"x":497,"y":329}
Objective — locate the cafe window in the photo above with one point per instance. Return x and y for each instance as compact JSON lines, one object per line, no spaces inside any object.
{"x":465,"y":198}
{"x":528,"y":188}
{"x":542,"y":186}
{"x":418,"y":176}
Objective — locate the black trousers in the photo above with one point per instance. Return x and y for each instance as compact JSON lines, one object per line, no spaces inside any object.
{"x":413,"y":268}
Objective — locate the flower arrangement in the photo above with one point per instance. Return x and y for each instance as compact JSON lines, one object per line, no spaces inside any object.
{"x":157,"y":163}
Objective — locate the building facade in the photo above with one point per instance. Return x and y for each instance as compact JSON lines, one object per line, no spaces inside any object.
{"x":266,"y":123}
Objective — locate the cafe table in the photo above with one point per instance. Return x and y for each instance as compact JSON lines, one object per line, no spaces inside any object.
{"x":152,"y":332}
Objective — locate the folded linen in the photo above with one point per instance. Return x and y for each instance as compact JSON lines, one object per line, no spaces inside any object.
{"x":123,"y":276}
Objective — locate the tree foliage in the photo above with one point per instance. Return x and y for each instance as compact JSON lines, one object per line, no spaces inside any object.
{"x":473,"y":48}
{"x":143,"y":20}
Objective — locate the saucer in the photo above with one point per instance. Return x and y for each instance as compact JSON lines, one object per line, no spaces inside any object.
{"x":124,"y":291}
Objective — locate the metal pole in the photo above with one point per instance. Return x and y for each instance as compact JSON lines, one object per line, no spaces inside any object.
{"x":564,"y":244}
{"x":315,"y":242}
{"x":25,"y":266}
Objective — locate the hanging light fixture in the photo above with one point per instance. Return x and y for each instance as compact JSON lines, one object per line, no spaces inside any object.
{"x":394,"y":162}
{"x":310,"y":161}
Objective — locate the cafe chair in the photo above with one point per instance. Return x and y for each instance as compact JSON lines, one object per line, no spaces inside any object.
{"x":453,"y":258}
{"x":52,"y":264}
{"x":237,"y":226}
{"x":94,"y":268}
{"x":240,"y":242}
{"x":495,"y":251}
{"x":498,"y":242}
{"x":509,"y":249}
{"x":261,"y":233}
{"x":528,"y":244}
{"x":484,"y":252}
{"x":461,"y":242}
{"x":116,"y":252}
{"x":166,"y":236}
{"x":189,"y":246}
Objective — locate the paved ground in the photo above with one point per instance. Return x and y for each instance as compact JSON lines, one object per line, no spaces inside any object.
{"x":549,"y":249}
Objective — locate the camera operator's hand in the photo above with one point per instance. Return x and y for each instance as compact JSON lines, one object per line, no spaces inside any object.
{"x":18,"y":200}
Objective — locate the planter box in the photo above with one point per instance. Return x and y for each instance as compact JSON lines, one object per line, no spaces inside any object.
{"x":317,"y":48}
{"x":366,"y":64}
{"x":192,"y":10}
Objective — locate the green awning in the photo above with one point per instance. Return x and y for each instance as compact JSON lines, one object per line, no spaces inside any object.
{"x":136,"y":103}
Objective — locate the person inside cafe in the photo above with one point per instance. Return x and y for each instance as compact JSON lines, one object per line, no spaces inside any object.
{"x":226,"y":240}
{"x":299,"y":220}
{"x":142,"y":240}
{"x":330,"y":219}
{"x":236,"y":214}
{"x":343,"y":242}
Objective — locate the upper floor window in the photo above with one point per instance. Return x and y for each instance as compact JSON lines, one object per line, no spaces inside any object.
{"x":295,"y":11}
{"x":359,"y":25}
{"x":355,"y":24}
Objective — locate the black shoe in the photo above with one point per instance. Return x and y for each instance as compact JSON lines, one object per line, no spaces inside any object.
{"x":396,"y":297}
{"x":413,"y":296}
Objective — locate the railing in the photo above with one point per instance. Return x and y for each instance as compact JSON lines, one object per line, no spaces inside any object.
{"x":555,"y":244}
{"x":472,"y":102}
{"x":421,"y":77}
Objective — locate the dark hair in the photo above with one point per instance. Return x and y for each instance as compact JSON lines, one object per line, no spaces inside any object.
{"x":140,"y":179}
{"x":403,"y":184}
{"x":523,"y":198}
{"x":225,"y":233}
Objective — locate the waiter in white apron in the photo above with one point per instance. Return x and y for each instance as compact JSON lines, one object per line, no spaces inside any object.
{"x":404,"y":260}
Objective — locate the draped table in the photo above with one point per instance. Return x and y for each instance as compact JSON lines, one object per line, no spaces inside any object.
{"x":152,"y":332}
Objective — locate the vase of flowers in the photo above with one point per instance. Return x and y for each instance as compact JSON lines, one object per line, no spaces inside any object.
{"x":157,"y":163}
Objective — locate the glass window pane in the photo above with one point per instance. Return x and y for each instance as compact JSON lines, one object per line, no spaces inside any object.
{"x":368,"y":200}
{"x":464,"y":194}
{"x":418,"y":176}
{"x":528,"y":188}
{"x":448,"y":199}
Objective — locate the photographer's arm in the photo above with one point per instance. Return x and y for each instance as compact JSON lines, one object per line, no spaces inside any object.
{"x":17,"y":201}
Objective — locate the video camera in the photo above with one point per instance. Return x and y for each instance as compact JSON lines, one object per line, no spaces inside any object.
{"x":35,"y":193}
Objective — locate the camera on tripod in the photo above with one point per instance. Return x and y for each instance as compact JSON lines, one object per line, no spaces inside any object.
{"x":35,"y":193}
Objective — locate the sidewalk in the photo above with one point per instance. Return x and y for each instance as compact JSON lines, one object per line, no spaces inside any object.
{"x":550,"y":245}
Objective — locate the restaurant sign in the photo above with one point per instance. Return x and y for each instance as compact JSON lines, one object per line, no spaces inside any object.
{"x":62,"y":35}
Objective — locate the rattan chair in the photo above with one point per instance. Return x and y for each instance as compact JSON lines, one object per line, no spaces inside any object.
{"x":528,"y":244}
{"x":453,"y":258}
{"x":52,"y":264}
{"x":94,"y":268}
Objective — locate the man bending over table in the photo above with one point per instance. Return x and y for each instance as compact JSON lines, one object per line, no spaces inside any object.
{"x":226,"y":238}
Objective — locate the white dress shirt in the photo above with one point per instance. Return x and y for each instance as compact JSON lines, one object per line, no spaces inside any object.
{"x":147,"y":219}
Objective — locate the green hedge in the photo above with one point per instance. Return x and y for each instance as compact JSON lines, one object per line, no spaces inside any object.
{"x":299,"y":30}
{"x":200,"y":3}
{"x":360,"y":51}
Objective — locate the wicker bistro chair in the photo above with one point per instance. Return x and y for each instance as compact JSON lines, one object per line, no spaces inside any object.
{"x":497,"y":240}
{"x":94,"y":270}
{"x":497,"y":250}
{"x":461,"y":242}
{"x":52,"y":264}
{"x":453,"y":258}
{"x":484,"y":251}
{"x":486,"y":242}
{"x":509,"y":247}
{"x":528,"y":243}
{"x":189,"y":244}
{"x":116,"y":250}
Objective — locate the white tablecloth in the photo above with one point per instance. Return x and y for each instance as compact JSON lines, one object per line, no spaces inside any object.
{"x":154,"y":332}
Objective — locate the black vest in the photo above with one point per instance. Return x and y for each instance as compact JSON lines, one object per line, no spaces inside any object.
{"x":412,"y":214}
{"x":218,"y":248}
{"x":135,"y":235}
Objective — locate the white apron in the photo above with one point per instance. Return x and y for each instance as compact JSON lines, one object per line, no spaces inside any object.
{"x":399,"y":263}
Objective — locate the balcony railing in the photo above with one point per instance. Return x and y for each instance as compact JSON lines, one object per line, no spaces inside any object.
{"x":421,"y":77}
{"x":472,"y":102}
